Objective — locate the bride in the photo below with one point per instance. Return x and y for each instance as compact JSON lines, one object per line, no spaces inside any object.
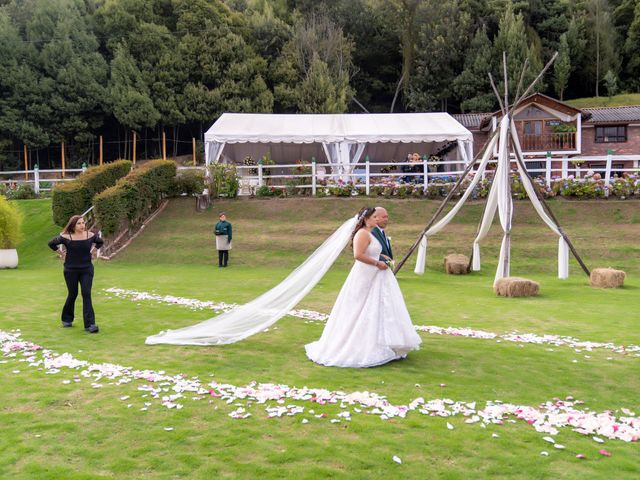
{"x":369,"y":324}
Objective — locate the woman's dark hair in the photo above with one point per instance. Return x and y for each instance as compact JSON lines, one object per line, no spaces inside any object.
{"x":71,"y":225}
{"x":363,"y":215}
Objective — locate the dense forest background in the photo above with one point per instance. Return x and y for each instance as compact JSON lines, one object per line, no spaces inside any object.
{"x":76,"y":69}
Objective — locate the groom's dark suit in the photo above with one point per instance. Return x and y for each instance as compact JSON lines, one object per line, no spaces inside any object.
{"x":384,"y":241}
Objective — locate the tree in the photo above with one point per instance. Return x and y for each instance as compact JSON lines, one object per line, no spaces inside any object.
{"x":562,"y":67}
{"x":24,"y":109}
{"x":472,"y":85}
{"x":129,"y":95}
{"x":317,"y":42}
{"x":319,"y":93}
{"x":70,"y":67}
{"x":445,"y":31}
{"x":602,"y":41}
{"x":632,"y":51}
{"x":512,"y":39}
{"x":611,"y":82}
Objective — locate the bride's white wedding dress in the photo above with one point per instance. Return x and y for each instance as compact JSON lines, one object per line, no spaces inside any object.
{"x":369,"y":324}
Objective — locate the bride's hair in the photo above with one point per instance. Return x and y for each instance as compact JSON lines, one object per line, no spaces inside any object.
{"x":364,"y":214}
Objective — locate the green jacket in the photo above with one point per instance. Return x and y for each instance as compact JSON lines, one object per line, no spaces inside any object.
{"x":223,"y":228}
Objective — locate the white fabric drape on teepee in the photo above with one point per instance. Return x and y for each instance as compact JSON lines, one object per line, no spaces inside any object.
{"x":563,"y":248}
{"x":502,"y":183}
{"x":253,"y":317}
{"x":422,"y":250}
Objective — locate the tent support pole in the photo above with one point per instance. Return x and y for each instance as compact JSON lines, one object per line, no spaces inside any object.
{"x":550,"y":212}
{"x":466,"y":171}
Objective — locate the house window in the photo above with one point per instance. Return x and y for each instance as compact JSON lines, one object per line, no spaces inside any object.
{"x":611,"y":134}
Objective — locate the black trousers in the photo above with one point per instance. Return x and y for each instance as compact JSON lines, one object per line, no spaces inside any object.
{"x":223,"y":258}
{"x":85,"y":279}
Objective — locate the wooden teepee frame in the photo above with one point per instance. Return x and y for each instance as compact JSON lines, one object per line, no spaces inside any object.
{"x":500,"y":194}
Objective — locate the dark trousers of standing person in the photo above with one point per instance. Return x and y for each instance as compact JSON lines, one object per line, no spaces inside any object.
{"x":85,"y":278}
{"x":223,"y":258}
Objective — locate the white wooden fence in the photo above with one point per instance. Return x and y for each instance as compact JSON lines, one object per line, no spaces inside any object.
{"x":363,"y":175}
{"x":41,"y":180}
{"x":368,"y":174}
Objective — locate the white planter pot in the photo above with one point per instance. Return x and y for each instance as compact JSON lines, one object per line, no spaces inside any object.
{"x":8,"y":258}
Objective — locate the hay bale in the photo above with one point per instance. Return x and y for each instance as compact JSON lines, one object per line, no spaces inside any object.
{"x":606,"y":278}
{"x":456,"y":264}
{"x":516,"y":287}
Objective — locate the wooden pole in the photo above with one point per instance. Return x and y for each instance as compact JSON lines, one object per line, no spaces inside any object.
{"x":134,"y":148}
{"x":193,"y":146}
{"x":520,"y":161}
{"x":100,"y":149}
{"x":164,"y":146}
{"x":466,"y":171}
{"x":26,"y":162}
{"x":62,"y":157}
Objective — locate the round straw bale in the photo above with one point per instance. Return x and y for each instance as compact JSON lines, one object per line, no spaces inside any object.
{"x":606,"y":278}
{"x":516,"y":287}
{"x":456,"y":264}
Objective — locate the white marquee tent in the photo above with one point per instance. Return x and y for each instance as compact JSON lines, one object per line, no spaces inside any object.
{"x":340,"y":138}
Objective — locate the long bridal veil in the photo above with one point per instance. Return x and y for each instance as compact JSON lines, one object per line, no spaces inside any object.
{"x":253,"y":317}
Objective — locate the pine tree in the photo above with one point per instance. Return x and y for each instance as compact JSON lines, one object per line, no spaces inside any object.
{"x":472,"y":85}
{"x":512,"y":39}
{"x":562,"y":67}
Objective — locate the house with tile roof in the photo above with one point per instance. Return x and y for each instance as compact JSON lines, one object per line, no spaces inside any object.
{"x":573,"y":138}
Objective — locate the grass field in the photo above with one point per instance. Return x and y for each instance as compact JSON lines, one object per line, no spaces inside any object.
{"x":55,"y":430}
{"x":604,"y":101}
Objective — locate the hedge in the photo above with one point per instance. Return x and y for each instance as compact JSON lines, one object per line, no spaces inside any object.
{"x":74,"y":197}
{"x":10,"y":224}
{"x":135,"y":195}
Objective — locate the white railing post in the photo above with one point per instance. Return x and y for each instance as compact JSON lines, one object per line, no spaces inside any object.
{"x":313,"y":177}
{"x":578,"y":173}
{"x":607,"y":173}
{"x":425,"y":177}
{"x":565,"y":167}
{"x":367,"y":174}
{"x":84,"y":167}
{"x":260,"y":173}
{"x":548,"y":172}
{"x":36,"y":179}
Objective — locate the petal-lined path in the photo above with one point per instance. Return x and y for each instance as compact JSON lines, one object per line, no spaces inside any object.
{"x":171,"y":390}
{"x":553,"y":340}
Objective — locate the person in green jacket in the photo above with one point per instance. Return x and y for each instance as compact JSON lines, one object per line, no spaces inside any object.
{"x":223,"y":233}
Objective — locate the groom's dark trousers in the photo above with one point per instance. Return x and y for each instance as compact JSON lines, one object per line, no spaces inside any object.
{"x":384,"y":241}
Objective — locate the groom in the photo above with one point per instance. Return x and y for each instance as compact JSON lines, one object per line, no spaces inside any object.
{"x":381,"y":218}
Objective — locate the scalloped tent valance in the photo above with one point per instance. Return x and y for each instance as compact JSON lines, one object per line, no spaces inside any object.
{"x":342,"y":131}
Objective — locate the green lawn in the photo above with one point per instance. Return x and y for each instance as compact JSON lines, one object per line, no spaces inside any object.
{"x":51,"y":430}
{"x":604,"y":101}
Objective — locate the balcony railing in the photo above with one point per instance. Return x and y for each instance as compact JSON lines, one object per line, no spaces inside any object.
{"x":549,"y":142}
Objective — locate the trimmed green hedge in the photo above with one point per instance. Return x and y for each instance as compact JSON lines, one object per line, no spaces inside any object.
{"x":134,"y":196}
{"x":10,"y":224}
{"x":74,"y":197}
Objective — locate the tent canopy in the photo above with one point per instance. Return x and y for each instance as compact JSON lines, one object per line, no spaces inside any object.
{"x":342,"y":138}
{"x":333,"y":128}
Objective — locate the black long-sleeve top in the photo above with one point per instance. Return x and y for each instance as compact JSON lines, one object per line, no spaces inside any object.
{"x":78,"y":251}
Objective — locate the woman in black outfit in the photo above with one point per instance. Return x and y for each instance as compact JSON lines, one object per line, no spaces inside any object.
{"x":79,"y":245}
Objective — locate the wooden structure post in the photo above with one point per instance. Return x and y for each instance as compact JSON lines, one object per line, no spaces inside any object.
{"x":26,"y":162}
{"x":100,"y":150}
{"x":193,"y":146}
{"x":164,"y":145}
{"x":63,"y":159}
{"x":134,"y":147}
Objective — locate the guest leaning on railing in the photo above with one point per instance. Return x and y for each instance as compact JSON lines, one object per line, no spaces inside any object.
{"x":79,"y":245}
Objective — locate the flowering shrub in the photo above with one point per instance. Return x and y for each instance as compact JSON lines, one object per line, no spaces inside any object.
{"x":17,"y":191}
{"x":591,"y":186}
{"x":267,"y":191}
